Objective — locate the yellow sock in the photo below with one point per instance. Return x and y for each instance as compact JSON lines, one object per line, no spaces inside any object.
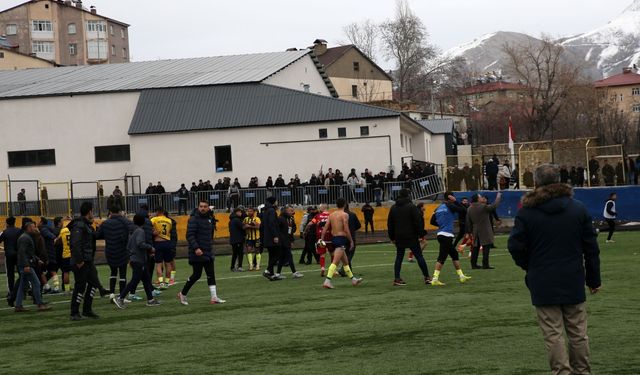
{"x":436,"y":275}
{"x":173,"y":275}
{"x":332,"y":271}
{"x":56,"y":281}
{"x":258,"y":258}
{"x":67,"y":287}
{"x":459,"y":272}
{"x":347,"y":270}
{"x":160,"y":279}
{"x":250,"y":257}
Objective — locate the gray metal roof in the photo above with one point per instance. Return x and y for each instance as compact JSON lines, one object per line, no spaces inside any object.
{"x":438,"y":126}
{"x":240,"y":105}
{"x":136,"y":76}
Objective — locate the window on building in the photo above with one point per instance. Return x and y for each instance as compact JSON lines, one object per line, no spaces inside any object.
{"x":46,"y":6}
{"x":364,"y":131}
{"x":342,"y":132}
{"x":73,"y":49}
{"x":124,"y":53}
{"x":1,"y":55}
{"x":620,"y":97}
{"x":106,"y":154}
{"x":223,"y":158}
{"x":42,"y":47}
{"x":44,"y":26}
{"x":96,"y":26}
{"x":635,"y":91}
{"x":122,"y":33}
{"x":71,"y":28}
{"x":306,"y":88}
{"x":636,"y":107}
{"x":97,"y":49}
{"x":401,"y":140}
{"x":11,"y":29}
{"x":354,"y":91}
{"x":111,"y":29}
{"x":113,"y":50}
{"x":356,"y":66}
{"x":409,"y":143}
{"x":31,"y":158}
{"x":322,"y":133}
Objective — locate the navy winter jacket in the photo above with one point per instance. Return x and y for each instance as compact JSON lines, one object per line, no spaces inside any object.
{"x":554,"y":241}
{"x":270,"y":226}
{"x":10,"y":239}
{"x":115,"y":233}
{"x":200,"y":236}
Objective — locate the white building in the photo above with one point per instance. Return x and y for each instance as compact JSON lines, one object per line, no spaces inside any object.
{"x":178,"y":121}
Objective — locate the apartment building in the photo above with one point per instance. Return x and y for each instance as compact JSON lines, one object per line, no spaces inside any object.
{"x":65,"y":32}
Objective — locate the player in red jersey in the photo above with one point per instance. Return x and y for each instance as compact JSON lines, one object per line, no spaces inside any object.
{"x":319,"y":222}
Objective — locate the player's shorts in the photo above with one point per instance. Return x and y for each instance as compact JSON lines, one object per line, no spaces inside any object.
{"x":66,"y":265}
{"x":253,"y":243}
{"x":53,"y":267}
{"x":164,"y":251}
{"x":340,"y":241}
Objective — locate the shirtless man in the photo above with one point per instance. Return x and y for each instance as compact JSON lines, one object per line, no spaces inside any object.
{"x":338,"y":226}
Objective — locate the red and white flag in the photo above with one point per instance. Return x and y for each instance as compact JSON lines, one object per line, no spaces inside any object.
{"x":512,"y":137}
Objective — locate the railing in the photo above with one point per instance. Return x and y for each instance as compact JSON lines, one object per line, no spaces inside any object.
{"x":424,"y":187}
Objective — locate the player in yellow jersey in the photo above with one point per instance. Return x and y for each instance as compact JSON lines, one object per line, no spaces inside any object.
{"x":251,"y":225}
{"x":64,"y":240}
{"x":162,"y":226}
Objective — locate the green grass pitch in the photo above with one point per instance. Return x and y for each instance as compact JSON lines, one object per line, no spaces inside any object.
{"x":486,"y":326}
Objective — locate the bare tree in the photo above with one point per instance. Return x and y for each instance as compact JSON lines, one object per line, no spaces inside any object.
{"x":363,"y":35}
{"x":405,"y":41}
{"x":542,"y":67}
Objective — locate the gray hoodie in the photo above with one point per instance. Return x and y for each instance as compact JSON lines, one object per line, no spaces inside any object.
{"x":137,"y":246}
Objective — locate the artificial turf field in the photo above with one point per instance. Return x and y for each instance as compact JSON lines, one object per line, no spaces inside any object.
{"x":486,"y":326}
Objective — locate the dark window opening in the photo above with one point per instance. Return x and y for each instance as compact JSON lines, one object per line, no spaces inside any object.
{"x":342,"y":132}
{"x":354,"y":91}
{"x":356,"y":66}
{"x":364,"y":130}
{"x":106,"y":154}
{"x":223,"y":158}
{"x":322,"y":133}
{"x":31,"y":158}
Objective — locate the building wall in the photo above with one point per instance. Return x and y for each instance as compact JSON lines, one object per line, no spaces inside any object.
{"x":119,"y":42}
{"x":73,"y":126}
{"x":10,"y":60}
{"x":369,"y":90}
{"x":300,"y":73}
{"x":19,"y":17}
{"x":68,"y":15}
{"x":251,"y":156}
{"x":622,"y":97}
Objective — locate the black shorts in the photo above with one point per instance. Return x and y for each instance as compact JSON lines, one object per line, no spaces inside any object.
{"x":66,"y":265}
{"x":340,"y":241}
{"x":253,"y":243}
{"x":53,"y":267}
{"x":164,"y":251}
{"x":446,"y":249}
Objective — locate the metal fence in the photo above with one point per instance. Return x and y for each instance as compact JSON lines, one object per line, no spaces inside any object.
{"x":59,"y":206}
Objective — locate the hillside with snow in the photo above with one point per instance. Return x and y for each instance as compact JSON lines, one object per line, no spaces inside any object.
{"x":603,"y":51}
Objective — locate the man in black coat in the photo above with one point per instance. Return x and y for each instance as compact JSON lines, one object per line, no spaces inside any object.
{"x":271,"y":235}
{"x":10,"y":239}
{"x":406,"y":226}
{"x":115,"y":232}
{"x":554,"y":241}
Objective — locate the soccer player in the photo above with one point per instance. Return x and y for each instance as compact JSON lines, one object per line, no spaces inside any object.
{"x":48,"y":238}
{"x":162,"y":226}
{"x":251,"y":225}
{"x":445,"y":217}
{"x":64,"y":239}
{"x":139,"y":250}
{"x":174,"y":245}
{"x":338,"y":225}
{"x":318,"y":223}
{"x":200,"y":239}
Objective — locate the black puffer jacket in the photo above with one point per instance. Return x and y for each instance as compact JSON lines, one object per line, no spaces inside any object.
{"x":83,"y":241}
{"x":269,"y":226}
{"x":286,"y":229}
{"x":199,"y":236}
{"x":10,"y":239}
{"x":554,"y":241}
{"x":115,"y":232}
{"x":405,"y":224}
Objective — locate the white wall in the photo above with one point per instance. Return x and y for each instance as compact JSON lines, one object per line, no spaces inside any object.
{"x":438,"y":149}
{"x":190,"y":156}
{"x":296,"y":75}
{"x":73,"y":126}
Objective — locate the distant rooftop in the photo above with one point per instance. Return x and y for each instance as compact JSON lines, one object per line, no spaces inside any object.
{"x":626,"y":78}
{"x":493,"y":86}
{"x":438,"y":126}
{"x":136,"y":76}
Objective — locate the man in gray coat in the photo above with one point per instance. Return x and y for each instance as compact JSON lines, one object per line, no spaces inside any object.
{"x":479,"y":226}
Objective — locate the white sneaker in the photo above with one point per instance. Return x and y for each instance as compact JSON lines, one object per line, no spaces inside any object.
{"x":327,"y":284}
{"x":183,"y":299}
{"x":217,"y":300}
{"x":112,"y":296}
{"x":355,"y":281}
{"x":126,"y":300}
{"x":611,"y":241}
{"x":298,"y":275}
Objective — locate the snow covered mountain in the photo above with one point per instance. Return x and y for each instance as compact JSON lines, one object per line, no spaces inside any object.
{"x":603,"y":51}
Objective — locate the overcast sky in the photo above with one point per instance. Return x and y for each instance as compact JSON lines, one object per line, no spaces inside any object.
{"x":162,"y":29}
